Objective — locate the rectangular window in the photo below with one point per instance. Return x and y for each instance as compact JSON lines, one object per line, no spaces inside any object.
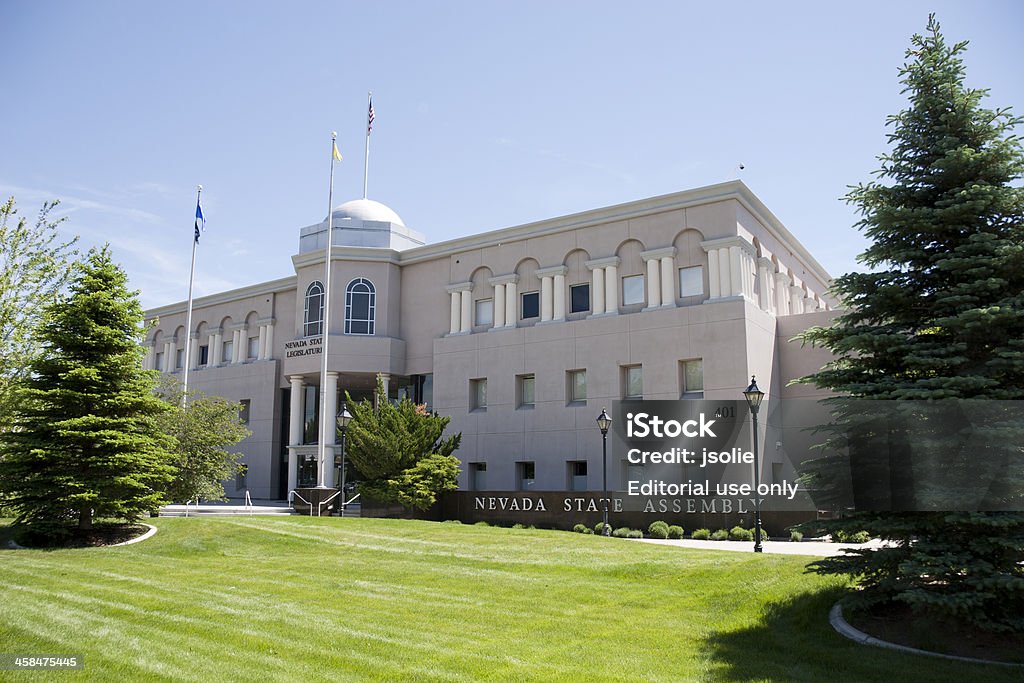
{"x":484,"y":312}
{"x":527,"y":472}
{"x":691,"y":281}
{"x":577,"y":380}
{"x":776,"y":472}
{"x":524,"y":387}
{"x":204,"y":355}
{"x":577,"y":475}
{"x":311,"y":418}
{"x":179,"y":359}
{"x":477,"y":476}
{"x":633,"y":382}
{"x":579,"y":298}
{"x":531,"y":305}
{"x":160,"y":361}
{"x":692,"y":378}
{"x":477,"y":394}
{"x":229,"y":352}
{"x":240,"y":483}
{"x":254,"y":348}
{"x":243,"y":412}
{"x":632,"y":290}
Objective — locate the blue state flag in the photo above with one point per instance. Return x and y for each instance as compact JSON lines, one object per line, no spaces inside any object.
{"x":200,"y":221}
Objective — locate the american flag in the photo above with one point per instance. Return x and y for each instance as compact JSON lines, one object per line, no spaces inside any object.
{"x":369,"y":118}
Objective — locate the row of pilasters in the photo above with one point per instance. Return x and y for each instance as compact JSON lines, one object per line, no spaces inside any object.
{"x":215,"y":343}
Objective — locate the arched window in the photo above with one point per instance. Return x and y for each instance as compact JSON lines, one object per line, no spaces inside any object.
{"x":360,"y":304}
{"x":314,"y":317}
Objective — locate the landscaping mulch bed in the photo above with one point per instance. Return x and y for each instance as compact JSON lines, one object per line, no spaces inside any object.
{"x":100,"y":535}
{"x":899,"y":624}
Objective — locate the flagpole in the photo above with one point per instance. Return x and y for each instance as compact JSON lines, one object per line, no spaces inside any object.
{"x":188,"y":314}
{"x":366,"y":154}
{"x":325,"y":336}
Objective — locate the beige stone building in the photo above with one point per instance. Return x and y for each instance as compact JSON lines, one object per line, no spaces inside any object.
{"x":521,"y":335}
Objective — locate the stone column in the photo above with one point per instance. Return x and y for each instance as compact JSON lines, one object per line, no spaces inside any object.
{"x":552,"y":293}
{"x":611,"y":287}
{"x":782,"y":283}
{"x":546,"y":304}
{"x":560,"y":294}
{"x":653,"y":282}
{"x":240,"y":344}
{"x":217,"y":347}
{"x":330,"y":427}
{"x":499,"y":306}
{"x":269,"y":355}
{"x":724,"y":272}
{"x":810,"y":303}
{"x":263,"y":343}
{"x":734,"y":269}
{"x":714,"y":287}
{"x":193,"y":352}
{"x":765,"y":268}
{"x":796,"y":299}
{"x":295,"y":420}
{"x":668,"y":280}
{"x":597,"y":285}
{"x":461,"y":306}
{"x":149,"y":361}
{"x":511,"y":305}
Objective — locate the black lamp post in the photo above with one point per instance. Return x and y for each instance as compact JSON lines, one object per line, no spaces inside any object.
{"x":344,"y":417}
{"x":754,"y":397}
{"x":603,"y":423}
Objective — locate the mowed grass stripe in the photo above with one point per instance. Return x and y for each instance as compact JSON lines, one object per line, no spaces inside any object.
{"x":361,"y":599}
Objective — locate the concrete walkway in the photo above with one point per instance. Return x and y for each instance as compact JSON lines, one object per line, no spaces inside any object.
{"x":812,"y":548}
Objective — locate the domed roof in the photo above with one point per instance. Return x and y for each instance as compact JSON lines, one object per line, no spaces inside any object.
{"x":367,"y":210}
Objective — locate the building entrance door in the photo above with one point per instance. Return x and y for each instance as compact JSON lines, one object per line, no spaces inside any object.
{"x":307,"y":472}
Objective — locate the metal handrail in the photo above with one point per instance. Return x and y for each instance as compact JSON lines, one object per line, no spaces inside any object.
{"x":345,"y":504}
{"x":325,"y":502}
{"x":248,"y":502}
{"x":298,"y":495}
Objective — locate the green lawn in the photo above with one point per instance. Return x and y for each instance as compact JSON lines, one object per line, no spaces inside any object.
{"x":360,"y":599}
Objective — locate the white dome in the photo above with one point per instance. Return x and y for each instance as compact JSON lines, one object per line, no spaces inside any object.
{"x":366,"y":210}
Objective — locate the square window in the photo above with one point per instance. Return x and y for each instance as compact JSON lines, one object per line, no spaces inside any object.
{"x":632,"y":290}
{"x":525,"y":388}
{"x":692,"y":378}
{"x":531,"y":305}
{"x":577,"y":385}
{"x":484,"y":312}
{"x":478,"y":394}
{"x":633,"y":382}
{"x":527,"y":472}
{"x":691,"y":281}
{"x":254,"y":348}
{"x":579,"y":298}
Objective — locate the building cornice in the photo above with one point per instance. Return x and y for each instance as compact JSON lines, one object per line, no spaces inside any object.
{"x":231,"y":296}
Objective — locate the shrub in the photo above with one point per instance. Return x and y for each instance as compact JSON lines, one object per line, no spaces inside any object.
{"x":587,"y":530}
{"x":656,"y":531}
{"x":839,"y":536}
{"x":720,"y":535}
{"x":796,"y":536}
{"x":452,"y":521}
{"x":764,"y":535}
{"x":859,"y":537}
{"x":675,"y":531}
{"x":518,"y":526}
{"x":701,"y":534}
{"x":658,"y":524}
{"x":738,"y":533}
{"x":599,"y":528}
{"x":581,"y":528}
{"x":635,"y":533}
{"x":621,"y":532}
{"x":481,"y":523}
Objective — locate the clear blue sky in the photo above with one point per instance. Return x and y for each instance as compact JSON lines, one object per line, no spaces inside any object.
{"x":489,"y":114}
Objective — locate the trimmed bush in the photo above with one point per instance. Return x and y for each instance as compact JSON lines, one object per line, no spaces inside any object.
{"x":720,"y":535}
{"x":839,"y":536}
{"x":859,"y":537}
{"x":656,"y":531}
{"x":518,"y":526}
{"x":581,"y":529}
{"x":587,"y":530}
{"x":452,"y":521}
{"x":658,"y":525}
{"x":675,"y":531}
{"x":764,"y":535}
{"x":701,"y":534}
{"x":796,"y":536}
{"x":481,"y":523}
{"x":599,"y":528}
{"x":635,"y":533}
{"x":621,"y":532}
{"x":738,"y":533}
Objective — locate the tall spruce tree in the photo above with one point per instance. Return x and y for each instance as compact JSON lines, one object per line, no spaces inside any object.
{"x":939,"y":316}
{"x":85,"y":442}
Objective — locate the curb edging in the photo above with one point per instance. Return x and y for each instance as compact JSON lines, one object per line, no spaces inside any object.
{"x":843,"y":628}
{"x":143,"y":537}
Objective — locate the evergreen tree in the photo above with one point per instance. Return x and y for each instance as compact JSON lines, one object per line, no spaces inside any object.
{"x":85,"y":441}
{"x":399,"y":453}
{"x":939,"y":316}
